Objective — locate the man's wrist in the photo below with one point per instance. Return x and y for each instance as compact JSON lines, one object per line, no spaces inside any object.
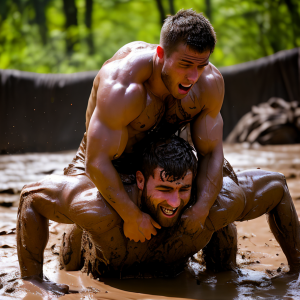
{"x":200,"y":210}
{"x":131,"y":214}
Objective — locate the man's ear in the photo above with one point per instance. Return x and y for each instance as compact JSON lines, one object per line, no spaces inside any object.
{"x":140,"y":180}
{"x":160,"y":53}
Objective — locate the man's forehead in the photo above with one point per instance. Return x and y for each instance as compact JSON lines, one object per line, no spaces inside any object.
{"x":186,"y":54}
{"x":161,"y":176}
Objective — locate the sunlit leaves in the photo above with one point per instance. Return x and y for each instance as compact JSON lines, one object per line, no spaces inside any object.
{"x":246,"y":30}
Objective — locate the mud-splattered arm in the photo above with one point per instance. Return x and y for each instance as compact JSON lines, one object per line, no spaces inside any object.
{"x":119,"y":102}
{"x":207,"y":138}
{"x":207,"y":133}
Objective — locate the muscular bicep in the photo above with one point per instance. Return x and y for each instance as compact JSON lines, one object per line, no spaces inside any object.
{"x":117,"y":105}
{"x":207,"y":129}
{"x":105,"y":140}
{"x":207,"y":132}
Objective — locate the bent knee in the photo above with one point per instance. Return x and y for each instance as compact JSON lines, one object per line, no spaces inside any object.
{"x":28,"y":193}
{"x":43,"y":198}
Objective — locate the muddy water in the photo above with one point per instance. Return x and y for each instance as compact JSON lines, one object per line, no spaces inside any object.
{"x":259,"y":255}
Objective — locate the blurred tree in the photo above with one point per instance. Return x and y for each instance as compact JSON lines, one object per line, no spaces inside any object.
{"x":172,"y":7}
{"x":208,"y":10}
{"x":40,"y":17}
{"x":70,"y":11}
{"x":161,"y":9}
{"x":88,"y":23}
{"x":74,"y":35}
{"x":293,"y":8}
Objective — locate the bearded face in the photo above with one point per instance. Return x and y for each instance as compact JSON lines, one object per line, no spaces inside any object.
{"x":164,"y":199}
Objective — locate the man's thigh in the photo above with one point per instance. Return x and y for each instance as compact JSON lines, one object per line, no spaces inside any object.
{"x":263,"y":191}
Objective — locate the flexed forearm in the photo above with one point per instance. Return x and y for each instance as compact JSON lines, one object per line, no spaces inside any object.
{"x":209,"y":179}
{"x":138,"y":226}
{"x":107,"y":180}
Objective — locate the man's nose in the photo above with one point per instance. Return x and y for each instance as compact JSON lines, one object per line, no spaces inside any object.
{"x":174,"y":199}
{"x":193,"y":75}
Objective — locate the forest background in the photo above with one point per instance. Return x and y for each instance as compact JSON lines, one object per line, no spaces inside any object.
{"x":66,"y":36}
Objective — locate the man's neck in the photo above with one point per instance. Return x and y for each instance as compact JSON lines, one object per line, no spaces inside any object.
{"x":156,"y":85}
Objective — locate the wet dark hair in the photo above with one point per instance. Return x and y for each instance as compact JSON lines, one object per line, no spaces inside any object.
{"x":189,"y":27}
{"x":174,"y":155}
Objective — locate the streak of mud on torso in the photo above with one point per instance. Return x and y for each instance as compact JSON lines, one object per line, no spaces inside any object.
{"x":259,"y":256}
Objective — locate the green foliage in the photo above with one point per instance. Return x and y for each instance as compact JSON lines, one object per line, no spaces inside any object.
{"x":34,"y":35}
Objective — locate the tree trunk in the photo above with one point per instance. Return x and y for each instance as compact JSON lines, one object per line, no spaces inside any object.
{"x":208,"y":10}
{"x":70,"y":11}
{"x":161,"y":11}
{"x":172,"y":8}
{"x":295,"y":16}
{"x":40,"y":18}
{"x":88,"y":24}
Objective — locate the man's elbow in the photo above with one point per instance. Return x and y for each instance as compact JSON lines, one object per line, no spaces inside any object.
{"x":95,"y":168}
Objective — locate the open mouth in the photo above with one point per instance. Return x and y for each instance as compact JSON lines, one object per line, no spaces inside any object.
{"x":169,"y":212}
{"x":184,"y":88}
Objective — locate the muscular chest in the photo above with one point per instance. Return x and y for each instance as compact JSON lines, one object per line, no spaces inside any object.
{"x":150,"y":116}
{"x":181,"y":111}
{"x":161,"y":253}
{"x":163,"y":117}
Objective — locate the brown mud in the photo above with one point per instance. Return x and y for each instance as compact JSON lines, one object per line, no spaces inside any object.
{"x":259,"y":257}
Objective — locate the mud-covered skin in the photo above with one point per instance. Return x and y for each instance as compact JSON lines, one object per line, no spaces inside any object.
{"x":259,"y":192}
{"x":130,"y":105}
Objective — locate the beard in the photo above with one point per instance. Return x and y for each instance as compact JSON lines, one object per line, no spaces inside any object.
{"x":147,"y":206}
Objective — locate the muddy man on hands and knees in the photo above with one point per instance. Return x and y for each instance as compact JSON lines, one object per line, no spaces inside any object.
{"x":163,"y":189}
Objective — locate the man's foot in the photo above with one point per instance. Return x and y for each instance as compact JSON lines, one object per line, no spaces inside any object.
{"x":46,"y":284}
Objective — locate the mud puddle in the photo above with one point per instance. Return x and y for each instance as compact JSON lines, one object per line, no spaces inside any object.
{"x":259,"y":255}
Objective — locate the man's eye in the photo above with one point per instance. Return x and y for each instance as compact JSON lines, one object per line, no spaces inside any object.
{"x":184,"y":190}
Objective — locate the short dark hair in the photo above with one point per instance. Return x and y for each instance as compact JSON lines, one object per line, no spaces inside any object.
{"x":189,"y":27}
{"x":174,"y":155}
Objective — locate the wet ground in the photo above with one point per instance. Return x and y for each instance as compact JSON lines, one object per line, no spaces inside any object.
{"x":260,"y":257}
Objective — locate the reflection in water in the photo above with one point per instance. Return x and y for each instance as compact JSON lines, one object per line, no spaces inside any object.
{"x":226,"y":285}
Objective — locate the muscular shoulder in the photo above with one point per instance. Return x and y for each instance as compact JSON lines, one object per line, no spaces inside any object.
{"x":135,"y":67}
{"x":121,"y":93}
{"x":210,"y":88}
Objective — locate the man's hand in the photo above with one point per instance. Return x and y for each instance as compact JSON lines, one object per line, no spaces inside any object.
{"x":140,"y":228}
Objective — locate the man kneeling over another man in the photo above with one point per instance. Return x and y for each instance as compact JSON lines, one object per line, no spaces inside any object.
{"x":163,"y":189}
